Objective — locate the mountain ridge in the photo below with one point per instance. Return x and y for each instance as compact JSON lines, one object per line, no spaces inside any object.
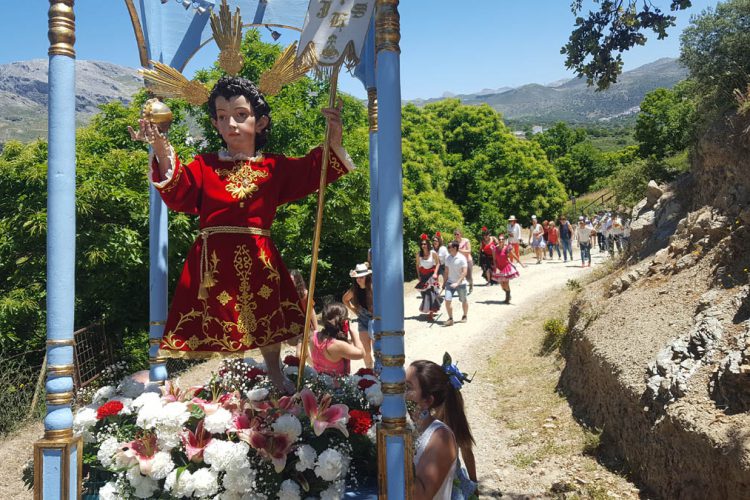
{"x":24,"y":93}
{"x":573,"y":100}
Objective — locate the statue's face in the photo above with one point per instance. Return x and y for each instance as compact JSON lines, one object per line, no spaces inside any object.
{"x":236,"y":123}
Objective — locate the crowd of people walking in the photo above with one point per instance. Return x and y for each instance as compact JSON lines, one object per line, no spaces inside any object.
{"x":444,"y":270}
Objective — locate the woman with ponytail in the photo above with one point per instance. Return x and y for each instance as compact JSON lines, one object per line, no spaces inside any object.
{"x":443,"y":430}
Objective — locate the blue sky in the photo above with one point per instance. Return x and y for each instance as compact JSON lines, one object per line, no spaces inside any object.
{"x":444,"y":47}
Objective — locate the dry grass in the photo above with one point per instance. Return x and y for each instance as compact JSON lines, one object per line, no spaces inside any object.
{"x":544,"y":433}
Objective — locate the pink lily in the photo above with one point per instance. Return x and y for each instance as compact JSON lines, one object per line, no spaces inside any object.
{"x":196,"y":442}
{"x":171,"y":393}
{"x":324,"y":415}
{"x":143,"y":450}
{"x":274,"y":446}
{"x":286,"y":404}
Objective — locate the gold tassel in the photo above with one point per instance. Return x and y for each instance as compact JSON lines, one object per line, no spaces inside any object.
{"x":208,"y":280}
{"x":202,"y":292}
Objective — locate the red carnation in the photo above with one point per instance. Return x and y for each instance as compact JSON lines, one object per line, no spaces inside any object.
{"x":365,"y":371}
{"x":359,"y":421}
{"x":254,"y":372}
{"x":291,"y":360}
{"x":109,"y":409}
{"x":365,"y":383}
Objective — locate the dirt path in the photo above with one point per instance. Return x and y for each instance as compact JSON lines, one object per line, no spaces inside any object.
{"x":528,"y":445}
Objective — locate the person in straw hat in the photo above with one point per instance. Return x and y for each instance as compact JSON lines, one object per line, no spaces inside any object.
{"x":358,"y":299}
{"x":514,"y":235}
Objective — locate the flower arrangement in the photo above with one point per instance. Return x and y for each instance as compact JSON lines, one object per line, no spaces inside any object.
{"x":234,"y":437}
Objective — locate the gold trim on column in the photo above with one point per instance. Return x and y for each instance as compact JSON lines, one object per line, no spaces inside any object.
{"x":157,"y":323}
{"x":61,"y":342}
{"x":61,"y":370}
{"x":157,"y":360}
{"x":392,"y":333}
{"x":153,"y":342}
{"x":393,"y":360}
{"x":62,"y":28}
{"x":387,"y":26}
{"x":394,"y":423}
{"x":138,"y":30}
{"x":59,"y":398}
{"x":58,"y":435}
{"x":372,"y":108}
{"x":393,"y":388}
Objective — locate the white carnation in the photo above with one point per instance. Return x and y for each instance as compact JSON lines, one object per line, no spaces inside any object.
{"x":149,"y":415}
{"x":83,"y":421}
{"x":146,"y":398}
{"x":374,"y":395}
{"x":225,"y":455}
{"x":217,"y":422}
{"x":168,"y":437}
{"x":289,"y":425}
{"x":109,"y":492}
{"x":307,"y":456}
{"x":143,"y":486}
{"x":289,"y":491}
{"x":103,"y":394}
{"x":334,"y":492}
{"x":175,"y":414}
{"x":162,"y":465}
{"x":257,"y":394}
{"x":205,"y":482}
{"x":240,"y":480}
{"x":107,"y":450}
{"x":182,"y":487}
{"x":330,"y":465}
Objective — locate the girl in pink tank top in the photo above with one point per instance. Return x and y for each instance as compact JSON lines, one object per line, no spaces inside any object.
{"x":334,"y":346}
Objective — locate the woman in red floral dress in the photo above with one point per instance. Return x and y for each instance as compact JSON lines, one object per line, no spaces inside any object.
{"x":234,"y":293}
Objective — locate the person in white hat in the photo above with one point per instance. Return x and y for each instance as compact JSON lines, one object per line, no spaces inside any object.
{"x":358,"y":299}
{"x":514,"y":234}
{"x":536,"y":239}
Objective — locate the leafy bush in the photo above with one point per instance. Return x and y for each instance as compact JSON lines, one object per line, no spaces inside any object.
{"x":555,"y":335}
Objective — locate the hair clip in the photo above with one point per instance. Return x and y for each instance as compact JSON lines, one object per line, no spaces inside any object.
{"x":455,"y":376}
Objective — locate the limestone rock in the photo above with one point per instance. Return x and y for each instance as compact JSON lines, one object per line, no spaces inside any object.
{"x":653,"y":192}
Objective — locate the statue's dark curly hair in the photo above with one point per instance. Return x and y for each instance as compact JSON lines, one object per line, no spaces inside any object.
{"x":231,"y":86}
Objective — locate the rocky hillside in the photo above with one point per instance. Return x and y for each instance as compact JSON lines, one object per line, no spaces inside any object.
{"x":24,"y":90}
{"x":575,"y":102}
{"x":660,"y":350}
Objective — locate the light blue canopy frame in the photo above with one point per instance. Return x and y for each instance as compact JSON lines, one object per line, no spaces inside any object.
{"x":171,"y":32}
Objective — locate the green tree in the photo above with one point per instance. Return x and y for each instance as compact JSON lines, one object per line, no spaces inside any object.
{"x":559,"y":140}
{"x":663,"y":127}
{"x":714,"y":48}
{"x":613,"y":28}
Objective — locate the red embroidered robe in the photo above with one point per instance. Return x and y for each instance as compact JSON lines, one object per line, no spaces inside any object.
{"x":241,"y":297}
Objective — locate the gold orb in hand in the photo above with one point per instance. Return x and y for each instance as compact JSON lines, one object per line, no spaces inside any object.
{"x":157,"y":112}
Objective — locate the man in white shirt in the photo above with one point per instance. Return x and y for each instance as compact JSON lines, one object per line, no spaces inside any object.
{"x":514,"y":234}
{"x":454,"y":281}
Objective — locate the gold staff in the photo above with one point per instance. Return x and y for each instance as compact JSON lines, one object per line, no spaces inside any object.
{"x":318,"y":226}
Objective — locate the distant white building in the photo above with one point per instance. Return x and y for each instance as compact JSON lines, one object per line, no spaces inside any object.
{"x":537,"y":129}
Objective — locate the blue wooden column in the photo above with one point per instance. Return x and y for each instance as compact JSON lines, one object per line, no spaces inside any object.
{"x":393,"y":452}
{"x":57,"y":456}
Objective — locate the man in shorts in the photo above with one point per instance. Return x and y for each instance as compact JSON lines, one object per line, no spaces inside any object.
{"x":514,"y":234}
{"x":454,"y":281}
